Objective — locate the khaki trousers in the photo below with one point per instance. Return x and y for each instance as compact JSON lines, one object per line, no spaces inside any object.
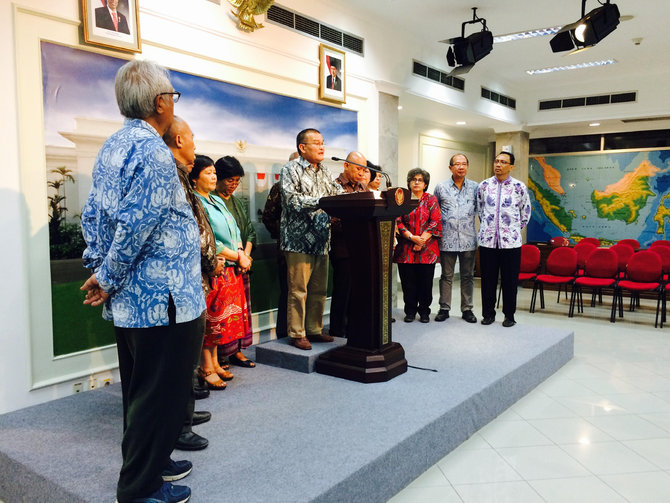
{"x":307,"y":280}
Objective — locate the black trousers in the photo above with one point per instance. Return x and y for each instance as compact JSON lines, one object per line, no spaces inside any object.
{"x":190,"y":405}
{"x":506,"y":263}
{"x":155,"y":366}
{"x":339,"y":302}
{"x":282,"y":271}
{"x":417,"y":287}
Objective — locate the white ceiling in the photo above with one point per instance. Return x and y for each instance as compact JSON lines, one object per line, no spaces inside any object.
{"x":429,"y":21}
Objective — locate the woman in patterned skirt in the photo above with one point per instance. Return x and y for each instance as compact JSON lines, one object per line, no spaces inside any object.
{"x":227,"y":312}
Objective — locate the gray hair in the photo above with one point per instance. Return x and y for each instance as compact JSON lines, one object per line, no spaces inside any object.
{"x":137,"y":84}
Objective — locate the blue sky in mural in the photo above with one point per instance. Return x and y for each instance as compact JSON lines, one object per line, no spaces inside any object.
{"x":81,"y":83}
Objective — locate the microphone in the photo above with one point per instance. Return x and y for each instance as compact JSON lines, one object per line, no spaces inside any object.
{"x":384,"y":173}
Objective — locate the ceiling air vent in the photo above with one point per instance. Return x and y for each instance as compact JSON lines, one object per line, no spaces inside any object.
{"x":506,"y":101}
{"x":436,"y":75}
{"x":587,"y":101}
{"x":647,"y":119}
{"x":308,"y":26}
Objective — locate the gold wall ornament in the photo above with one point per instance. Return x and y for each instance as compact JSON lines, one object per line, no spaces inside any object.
{"x":247,"y":9}
{"x":241,"y":145}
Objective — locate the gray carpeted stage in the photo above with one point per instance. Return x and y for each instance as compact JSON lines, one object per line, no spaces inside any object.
{"x":278,"y":435}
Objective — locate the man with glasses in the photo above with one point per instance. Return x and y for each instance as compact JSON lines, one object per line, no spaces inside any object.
{"x":504,"y":210}
{"x":352,"y":179}
{"x":143,"y":248}
{"x":305,"y":237}
{"x":457,"y":197}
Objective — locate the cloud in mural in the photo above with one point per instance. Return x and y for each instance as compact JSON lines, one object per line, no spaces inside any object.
{"x":81,"y":83}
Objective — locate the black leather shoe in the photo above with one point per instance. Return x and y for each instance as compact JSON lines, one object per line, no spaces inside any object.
{"x":201,"y":416}
{"x":488,"y":320}
{"x":200,"y":393}
{"x":424,"y":318}
{"x":409,"y":319}
{"x":508,"y":323}
{"x":442,"y":315}
{"x":191,"y":442}
{"x":469,"y":316}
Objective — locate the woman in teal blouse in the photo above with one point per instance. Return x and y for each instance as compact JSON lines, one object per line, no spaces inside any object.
{"x":227,"y":310}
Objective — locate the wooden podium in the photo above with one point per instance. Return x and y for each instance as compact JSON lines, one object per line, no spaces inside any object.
{"x":368,"y":223}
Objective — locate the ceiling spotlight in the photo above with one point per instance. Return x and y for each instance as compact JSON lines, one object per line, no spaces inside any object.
{"x":466,"y":51}
{"x":589,"y":30}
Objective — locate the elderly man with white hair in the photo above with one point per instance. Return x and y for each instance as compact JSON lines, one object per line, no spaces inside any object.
{"x":143,"y":248}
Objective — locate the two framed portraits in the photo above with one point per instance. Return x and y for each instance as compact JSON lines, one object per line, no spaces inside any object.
{"x":112,"y":23}
{"x":332,"y":74}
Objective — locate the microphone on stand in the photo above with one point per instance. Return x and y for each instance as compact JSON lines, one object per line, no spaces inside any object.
{"x":384,"y":173}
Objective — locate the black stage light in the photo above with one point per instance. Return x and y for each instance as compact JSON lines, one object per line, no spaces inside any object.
{"x":589,"y":30}
{"x":466,"y":51}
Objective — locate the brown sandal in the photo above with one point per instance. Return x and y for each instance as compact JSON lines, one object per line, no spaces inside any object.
{"x":224,"y":374}
{"x":216,"y":385}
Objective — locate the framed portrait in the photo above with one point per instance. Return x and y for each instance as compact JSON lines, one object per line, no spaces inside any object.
{"x":112,"y":23}
{"x":332,"y":74}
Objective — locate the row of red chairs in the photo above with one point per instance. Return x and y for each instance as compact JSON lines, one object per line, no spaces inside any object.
{"x":634,"y":243}
{"x":619,"y":267}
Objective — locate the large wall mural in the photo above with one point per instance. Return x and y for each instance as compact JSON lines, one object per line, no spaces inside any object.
{"x":609,"y":195}
{"x":80,"y":112}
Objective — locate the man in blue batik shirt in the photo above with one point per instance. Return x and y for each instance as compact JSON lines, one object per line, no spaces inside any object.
{"x":143,"y":247}
{"x":458,"y":205}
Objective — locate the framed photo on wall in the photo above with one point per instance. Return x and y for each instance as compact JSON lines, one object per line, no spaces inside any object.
{"x":332,"y":75}
{"x":112,"y":23}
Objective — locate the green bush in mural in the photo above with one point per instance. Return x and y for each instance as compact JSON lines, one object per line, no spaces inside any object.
{"x":65,"y":238}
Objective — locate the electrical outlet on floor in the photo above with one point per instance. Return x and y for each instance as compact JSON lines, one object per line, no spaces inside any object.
{"x":105,"y":381}
{"x":77,"y":387}
{"x":92,"y":382}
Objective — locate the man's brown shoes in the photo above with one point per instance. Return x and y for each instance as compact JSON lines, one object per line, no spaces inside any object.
{"x":320,"y":338}
{"x":301,"y":343}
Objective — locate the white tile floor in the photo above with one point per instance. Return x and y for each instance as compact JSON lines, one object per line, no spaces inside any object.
{"x":596,"y":431}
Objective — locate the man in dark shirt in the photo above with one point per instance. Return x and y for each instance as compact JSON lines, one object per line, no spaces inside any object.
{"x":352,"y":179}
{"x":179,"y":138}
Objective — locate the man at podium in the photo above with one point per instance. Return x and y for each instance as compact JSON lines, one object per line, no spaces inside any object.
{"x":352,"y":179}
{"x":305,"y":238}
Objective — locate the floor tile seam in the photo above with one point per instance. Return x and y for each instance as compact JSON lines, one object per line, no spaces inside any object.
{"x":661,"y":468}
{"x":630,"y":449}
{"x":497,"y":484}
{"x":570,"y":443}
{"x":592,"y":476}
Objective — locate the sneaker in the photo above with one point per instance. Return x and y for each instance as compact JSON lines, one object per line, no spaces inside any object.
{"x":167,"y":493}
{"x":176,"y":470}
{"x":442,"y":315}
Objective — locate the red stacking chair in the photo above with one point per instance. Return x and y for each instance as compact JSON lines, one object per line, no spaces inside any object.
{"x":594,"y":241}
{"x":624,"y":252}
{"x":584,"y":251}
{"x":660,"y":242}
{"x":602,"y":269}
{"x":643,"y":274}
{"x":559,"y":241}
{"x":633,"y":243}
{"x":530,"y":265}
{"x":561,"y":268}
{"x":664,"y":253}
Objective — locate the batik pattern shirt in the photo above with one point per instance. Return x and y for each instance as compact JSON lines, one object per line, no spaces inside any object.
{"x":504,"y":209}
{"x":459,"y":209}
{"x":208,"y":260}
{"x":143,"y":242}
{"x":304,"y":227}
{"x":424,"y":218}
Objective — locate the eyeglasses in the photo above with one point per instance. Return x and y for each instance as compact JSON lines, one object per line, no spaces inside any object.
{"x":322,"y":144}
{"x":420,"y":180}
{"x":175,"y":95}
{"x":460,"y":164}
{"x":500,"y":161}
